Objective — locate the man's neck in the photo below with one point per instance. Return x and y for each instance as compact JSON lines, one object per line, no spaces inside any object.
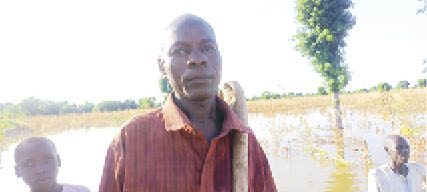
{"x":197,"y":110}
{"x":202,"y":114}
{"x":56,"y":188}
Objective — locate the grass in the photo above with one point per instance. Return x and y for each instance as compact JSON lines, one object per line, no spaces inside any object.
{"x":7,"y":124}
{"x":17,"y":129}
{"x":407,"y":100}
{"x":49,"y":124}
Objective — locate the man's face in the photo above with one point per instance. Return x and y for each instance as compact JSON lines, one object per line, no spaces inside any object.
{"x":37,"y":163}
{"x":399,"y":151}
{"x":192,"y":61}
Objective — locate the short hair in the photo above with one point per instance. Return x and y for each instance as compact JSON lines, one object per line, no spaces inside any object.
{"x":391,"y":139}
{"x":32,"y":140}
{"x":180,"y":20}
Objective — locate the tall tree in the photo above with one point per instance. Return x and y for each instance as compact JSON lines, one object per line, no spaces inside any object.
{"x":324,"y":25}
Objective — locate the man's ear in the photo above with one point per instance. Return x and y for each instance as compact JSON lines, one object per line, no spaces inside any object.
{"x":161,"y":65}
{"x":58,"y":159}
{"x":18,"y":171}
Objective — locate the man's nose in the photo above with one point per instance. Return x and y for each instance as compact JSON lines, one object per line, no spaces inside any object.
{"x":40,"y":169}
{"x":197,"y":59}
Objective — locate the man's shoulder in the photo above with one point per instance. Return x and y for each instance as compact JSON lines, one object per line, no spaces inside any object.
{"x":415,"y":165}
{"x":144,"y":119}
{"x":74,"y":188}
{"x":418,"y":167}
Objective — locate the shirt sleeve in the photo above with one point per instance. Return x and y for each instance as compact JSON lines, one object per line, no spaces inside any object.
{"x":74,"y":188}
{"x":113,"y":173}
{"x":260,"y":177}
{"x":372,"y":181}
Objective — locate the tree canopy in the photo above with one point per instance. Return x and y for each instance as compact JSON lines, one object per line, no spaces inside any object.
{"x":321,"y":38}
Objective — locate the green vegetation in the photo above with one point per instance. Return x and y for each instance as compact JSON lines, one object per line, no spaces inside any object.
{"x":321,"y":38}
{"x":148,"y":103}
{"x":321,"y":91}
{"x":33,"y":106}
{"x":384,"y":87}
{"x":402,"y":85}
{"x":422,"y":83}
{"x":6,"y":124}
{"x":381,"y":87}
{"x":325,"y":24}
{"x":165,"y":87}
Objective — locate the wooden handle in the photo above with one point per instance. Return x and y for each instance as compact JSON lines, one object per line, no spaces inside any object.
{"x":240,"y":162}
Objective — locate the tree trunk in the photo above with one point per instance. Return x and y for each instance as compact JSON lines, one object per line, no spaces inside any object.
{"x":339,"y":142}
{"x":337,"y":111}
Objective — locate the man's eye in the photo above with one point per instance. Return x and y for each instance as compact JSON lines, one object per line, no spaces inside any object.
{"x":179,"y":52}
{"x":208,"y":48}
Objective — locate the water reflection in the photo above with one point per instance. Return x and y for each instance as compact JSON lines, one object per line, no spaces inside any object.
{"x":342,"y":178}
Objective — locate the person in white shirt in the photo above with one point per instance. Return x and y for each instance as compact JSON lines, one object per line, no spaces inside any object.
{"x":37,"y":162}
{"x":398,"y":175}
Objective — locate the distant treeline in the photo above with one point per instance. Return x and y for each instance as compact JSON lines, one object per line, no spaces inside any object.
{"x":33,"y":106}
{"x":323,"y":91}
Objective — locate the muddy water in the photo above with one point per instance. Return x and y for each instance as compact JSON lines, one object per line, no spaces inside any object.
{"x":304,"y":152}
{"x":307,"y":154}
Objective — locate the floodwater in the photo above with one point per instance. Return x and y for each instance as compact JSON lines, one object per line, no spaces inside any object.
{"x":305,"y":152}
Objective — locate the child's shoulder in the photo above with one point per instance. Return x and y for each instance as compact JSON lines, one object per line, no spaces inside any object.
{"x":74,"y":188}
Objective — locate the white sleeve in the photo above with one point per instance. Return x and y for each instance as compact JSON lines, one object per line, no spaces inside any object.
{"x":373,"y":181}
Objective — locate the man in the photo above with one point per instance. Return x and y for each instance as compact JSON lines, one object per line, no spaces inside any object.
{"x":37,"y":162}
{"x":398,"y":175}
{"x":186,"y":145}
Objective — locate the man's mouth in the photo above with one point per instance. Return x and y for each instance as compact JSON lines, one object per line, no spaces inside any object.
{"x":405,"y":159}
{"x":44,"y":180}
{"x":200,"y":80}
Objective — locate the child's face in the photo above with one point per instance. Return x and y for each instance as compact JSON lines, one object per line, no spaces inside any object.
{"x":37,"y":163}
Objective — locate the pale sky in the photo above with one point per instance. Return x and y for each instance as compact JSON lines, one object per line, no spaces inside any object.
{"x":93,"y":50}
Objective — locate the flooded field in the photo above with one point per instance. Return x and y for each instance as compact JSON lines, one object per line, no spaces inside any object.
{"x":305,"y":152}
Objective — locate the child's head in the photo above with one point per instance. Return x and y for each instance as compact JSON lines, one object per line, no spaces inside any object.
{"x":37,"y":162}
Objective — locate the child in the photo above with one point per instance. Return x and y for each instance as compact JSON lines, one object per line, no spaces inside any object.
{"x":37,"y":162}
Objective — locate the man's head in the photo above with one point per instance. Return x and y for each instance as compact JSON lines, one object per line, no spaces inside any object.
{"x":397,"y":149}
{"x":190,"y":58}
{"x":37,"y":162}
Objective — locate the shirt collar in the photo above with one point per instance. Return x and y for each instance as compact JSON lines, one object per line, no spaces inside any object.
{"x":175,"y":118}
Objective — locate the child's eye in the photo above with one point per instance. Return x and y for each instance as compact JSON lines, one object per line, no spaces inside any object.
{"x":179,"y":51}
{"x":48,"y":160}
{"x":28,"y":164}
